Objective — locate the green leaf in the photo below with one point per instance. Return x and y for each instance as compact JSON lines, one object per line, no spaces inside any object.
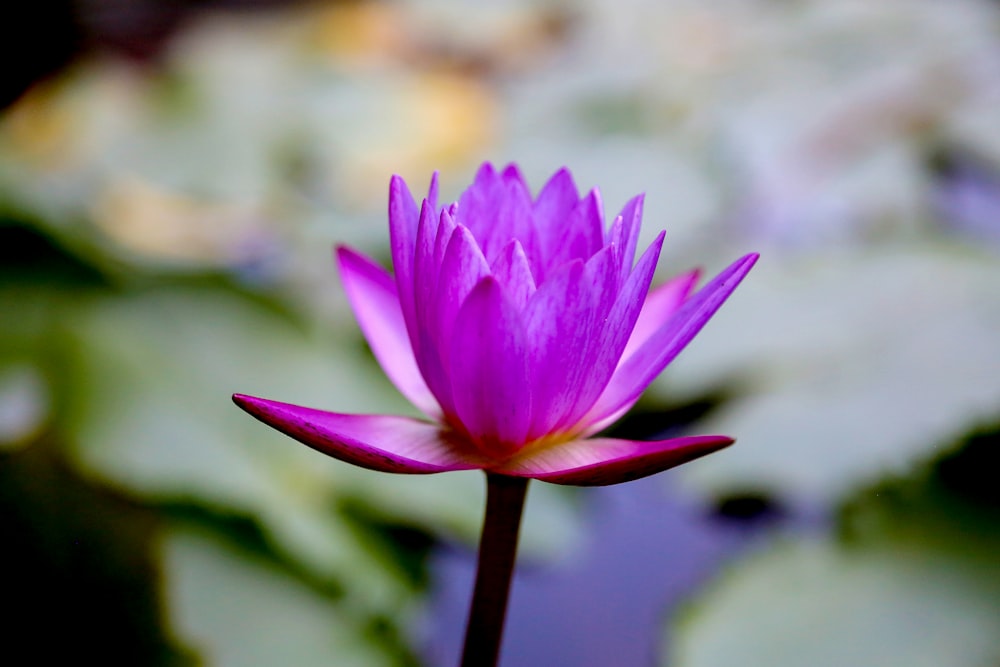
{"x":914,"y":580}
{"x":812,"y":602}
{"x":153,"y":415}
{"x":849,"y":366}
{"x":237,"y":610}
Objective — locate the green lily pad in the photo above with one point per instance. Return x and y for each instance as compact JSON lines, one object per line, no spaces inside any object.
{"x":236,"y":610}
{"x":913,"y":580}
{"x":846,"y":367}
{"x":816,"y":603}
{"x":154,"y":416}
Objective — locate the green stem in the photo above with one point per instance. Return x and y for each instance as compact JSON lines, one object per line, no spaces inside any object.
{"x":497,"y":552}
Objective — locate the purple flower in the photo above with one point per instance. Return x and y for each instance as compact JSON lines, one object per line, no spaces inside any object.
{"x":520,"y":327}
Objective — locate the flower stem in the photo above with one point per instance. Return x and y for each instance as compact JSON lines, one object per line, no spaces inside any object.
{"x":497,"y":552}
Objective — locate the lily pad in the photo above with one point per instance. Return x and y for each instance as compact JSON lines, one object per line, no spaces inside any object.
{"x":912,"y":580}
{"x":236,"y":610}
{"x":816,"y":603}
{"x":847,"y":366}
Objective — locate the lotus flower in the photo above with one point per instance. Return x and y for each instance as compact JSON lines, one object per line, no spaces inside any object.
{"x":521,"y":327}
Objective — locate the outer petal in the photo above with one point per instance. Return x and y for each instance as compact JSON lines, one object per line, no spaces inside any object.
{"x":565,"y":319}
{"x":603,"y":461}
{"x":372,"y":294}
{"x":402,"y":237}
{"x":635,"y":374}
{"x":659,"y":305}
{"x":625,"y":232}
{"x":603,"y":359}
{"x":378,"y":442}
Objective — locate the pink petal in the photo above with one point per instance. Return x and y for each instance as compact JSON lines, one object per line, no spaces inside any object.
{"x":462,"y":267}
{"x":556,"y":199}
{"x":635,"y":374}
{"x":489,"y":371}
{"x":512,"y":173}
{"x":402,"y":238}
{"x":378,"y":442}
{"x":512,"y":270}
{"x":659,"y":305}
{"x":372,"y":294}
{"x":551,"y":209}
{"x":596,"y":352}
{"x":603,"y":359}
{"x":581,"y":234}
{"x":626,"y":233}
{"x":603,"y":461}
{"x":497,"y":209}
{"x":565,"y":319}
{"x":422,"y":326}
{"x":432,"y":191}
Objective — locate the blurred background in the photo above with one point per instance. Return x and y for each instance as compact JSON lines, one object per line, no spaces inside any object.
{"x":173,"y":176}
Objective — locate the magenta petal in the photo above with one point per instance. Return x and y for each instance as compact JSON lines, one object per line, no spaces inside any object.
{"x":627,"y":237}
{"x":551,"y":208}
{"x":635,"y":373}
{"x":402,"y":237}
{"x":603,"y":461}
{"x":582,"y":234}
{"x":613,"y":336}
{"x":377,"y":442}
{"x":564,"y":319}
{"x":512,"y":174}
{"x":489,"y":371}
{"x":462,"y":267}
{"x":556,"y":199}
{"x":659,"y":305}
{"x":511,"y":268}
{"x":594,"y":356}
{"x":372,"y":294}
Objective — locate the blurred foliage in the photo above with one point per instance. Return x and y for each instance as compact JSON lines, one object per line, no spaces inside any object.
{"x":912,"y":578}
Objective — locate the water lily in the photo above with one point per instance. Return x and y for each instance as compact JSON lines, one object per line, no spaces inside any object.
{"x":521,"y":326}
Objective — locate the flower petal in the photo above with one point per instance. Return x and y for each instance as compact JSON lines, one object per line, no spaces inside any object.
{"x":624,"y":233}
{"x":402,"y":238}
{"x":462,"y":267}
{"x":377,"y":442}
{"x":512,"y":174}
{"x":603,"y":358}
{"x":635,"y":373}
{"x":564,"y":320}
{"x":552,"y":207}
{"x":581,"y":233}
{"x":423,"y":324}
{"x":371,"y":292}
{"x":603,"y":461}
{"x":511,"y":268}
{"x":659,"y":305}
{"x":489,"y":372}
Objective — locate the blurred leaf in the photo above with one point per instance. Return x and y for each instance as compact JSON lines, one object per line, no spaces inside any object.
{"x":914,"y":582}
{"x":815,"y":603}
{"x":847,"y":366}
{"x":240,"y":611}
{"x":154,"y":415}
{"x":29,"y":256}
